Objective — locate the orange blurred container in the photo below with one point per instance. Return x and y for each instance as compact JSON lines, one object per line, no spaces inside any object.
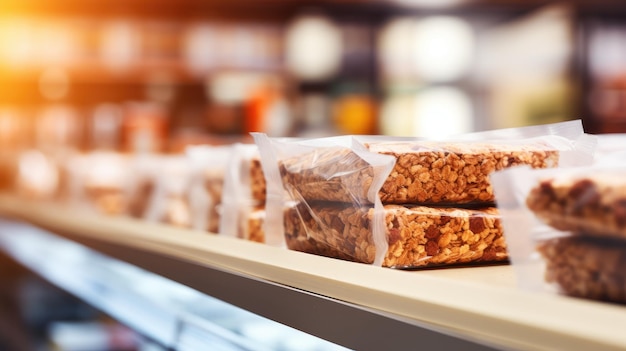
{"x":145,"y":128}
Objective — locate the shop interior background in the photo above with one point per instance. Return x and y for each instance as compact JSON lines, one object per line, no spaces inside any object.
{"x":160,"y":75}
{"x":154,"y":76}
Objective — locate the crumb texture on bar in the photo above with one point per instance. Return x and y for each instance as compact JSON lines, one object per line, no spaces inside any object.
{"x":327,"y":174}
{"x":418,"y":236}
{"x":453,"y":173}
{"x":440,"y":173}
{"x":593,"y":204}
{"x":586,"y":267}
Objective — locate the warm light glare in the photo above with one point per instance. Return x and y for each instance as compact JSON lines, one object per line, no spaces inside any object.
{"x":397,"y":114}
{"x":442,"y":111}
{"x":17,"y":42}
{"x":233,"y":87}
{"x":120,"y":44}
{"x":200,"y":48}
{"x":313,"y":48}
{"x":106,"y":126}
{"x":56,"y":43}
{"x":57,"y":126}
{"x":106,"y":169}
{"x":37,"y":174}
{"x":396,"y":49}
{"x":443,"y":48}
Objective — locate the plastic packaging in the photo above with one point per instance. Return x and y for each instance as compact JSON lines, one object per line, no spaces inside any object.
{"x":209,"y":164}
{"x":101,"y":181}
{"x":363,"y":173}
{"x":170,"y":203}
{"x":243,"y":200}
{"x":566,"y":229}
{"x":418,"y":236}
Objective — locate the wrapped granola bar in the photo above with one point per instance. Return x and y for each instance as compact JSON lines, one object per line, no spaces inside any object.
{"x":244,"y":194}
{"x":209,"y":165}
{"x":418,"y":236}
{"x":170,"y":201}
{"x":102,"y":181}
{"x":426,"y":172}
{"x":345,"y":187}
{"x":566,"y":230}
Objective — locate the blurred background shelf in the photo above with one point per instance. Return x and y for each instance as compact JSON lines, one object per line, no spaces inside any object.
{"x":405,"y":67}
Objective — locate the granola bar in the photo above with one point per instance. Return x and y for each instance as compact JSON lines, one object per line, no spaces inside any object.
{"x":594,"y":204}
{"x":417,"y":236}
{"x":330,"y":174}
{"x":587,"y":267}
{"x":424,"y":172}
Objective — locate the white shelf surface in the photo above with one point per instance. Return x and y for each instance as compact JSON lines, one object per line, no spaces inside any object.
{"x":358,"y":306}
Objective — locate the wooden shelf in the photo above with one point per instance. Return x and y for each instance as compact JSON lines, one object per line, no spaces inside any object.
{"x":355,"y":305}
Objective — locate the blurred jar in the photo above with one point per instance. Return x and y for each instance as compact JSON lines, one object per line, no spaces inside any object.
{"x":120,"y":44}
{"x":106,"y":127}
{"x":267,"y":111}
{"x":355,"y":113}
{"x":160,"y":40}
{"x":144,"y":128}
{"x":38,"y":175}
{"x":58,"y":128}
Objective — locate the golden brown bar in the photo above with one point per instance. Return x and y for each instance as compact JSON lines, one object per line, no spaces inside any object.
{"x":418,"y":236}
{"x":587,"y":267}
{"x":424,"y":172}
{"x":594,"y":204}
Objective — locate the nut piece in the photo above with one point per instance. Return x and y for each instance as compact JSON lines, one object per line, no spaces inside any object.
{"x":591,"y":268}
{"x":417,"y":236}
{"x":424,"y":172}
{"x":592,"y":204}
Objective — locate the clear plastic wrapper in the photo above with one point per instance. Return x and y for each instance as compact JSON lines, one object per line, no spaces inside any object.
{"x":365,"y":175}
{"x":101,"y":181}
{"x":146,"y":168}
{"x":566,"y":230}
{"x":418,"y":236}
{"x":244,"y":194}
{"x":209,"y":165}
{"x":431,"y":172}
{"x":170,"y":201}
{"x":609,"y":144}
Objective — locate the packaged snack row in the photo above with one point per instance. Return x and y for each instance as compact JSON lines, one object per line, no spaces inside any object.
{"x":403,"y":202}
{"x":211,"y":188}
{"x":566,"y":229}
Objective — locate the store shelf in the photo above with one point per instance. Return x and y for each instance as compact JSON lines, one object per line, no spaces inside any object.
{"x":355,"y":305}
